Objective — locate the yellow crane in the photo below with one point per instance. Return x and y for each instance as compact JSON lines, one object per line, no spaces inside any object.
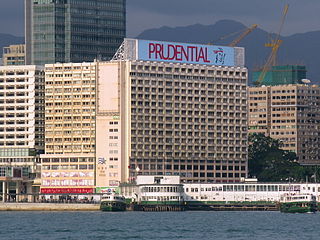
{"x":244,"y":33}
{"x":274,"y":44}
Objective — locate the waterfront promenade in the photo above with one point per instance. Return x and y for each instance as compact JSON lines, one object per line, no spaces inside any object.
{"x":48,"y":207}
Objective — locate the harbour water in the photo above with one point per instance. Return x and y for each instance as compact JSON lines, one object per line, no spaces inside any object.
{"x":158,"y":225}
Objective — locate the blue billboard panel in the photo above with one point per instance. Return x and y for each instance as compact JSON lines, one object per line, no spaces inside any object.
{"x":185,"y":53}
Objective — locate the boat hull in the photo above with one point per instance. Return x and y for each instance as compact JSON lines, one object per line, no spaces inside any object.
{"x":112,"y":206}
{"x":298,"y":207}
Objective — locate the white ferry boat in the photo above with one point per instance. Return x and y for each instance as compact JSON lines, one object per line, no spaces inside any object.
{"x":298,"y":203}
{"x":112,"y":202}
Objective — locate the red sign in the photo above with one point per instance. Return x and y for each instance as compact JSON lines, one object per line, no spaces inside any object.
{"x":178,"y":52}
{"x":66,"y":190}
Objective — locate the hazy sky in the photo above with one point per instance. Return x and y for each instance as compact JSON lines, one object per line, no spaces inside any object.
{"x":303,"y":15}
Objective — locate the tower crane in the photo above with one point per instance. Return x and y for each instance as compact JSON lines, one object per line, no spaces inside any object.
{"x":274,"y":44}
{"x":244,"y":33}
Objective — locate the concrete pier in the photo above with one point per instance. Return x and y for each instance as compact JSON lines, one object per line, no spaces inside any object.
{"x":48,"y":207}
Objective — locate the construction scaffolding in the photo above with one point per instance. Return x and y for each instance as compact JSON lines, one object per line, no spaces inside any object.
{"x":282,"y":75}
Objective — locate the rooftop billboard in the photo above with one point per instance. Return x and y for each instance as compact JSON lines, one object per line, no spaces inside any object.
{"x":185,"y":53}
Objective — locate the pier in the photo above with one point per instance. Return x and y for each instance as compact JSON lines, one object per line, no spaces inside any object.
{"x":48,"y":207}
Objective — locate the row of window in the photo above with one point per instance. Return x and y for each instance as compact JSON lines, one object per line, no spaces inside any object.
{"x":182,"y":84}
{"x":67,"y":167}
{"x":188,"y":70}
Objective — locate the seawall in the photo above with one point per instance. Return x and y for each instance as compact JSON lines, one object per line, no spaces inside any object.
{"x":48,"y":207}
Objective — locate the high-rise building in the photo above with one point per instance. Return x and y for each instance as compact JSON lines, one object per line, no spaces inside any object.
{"x":68,"y":164}
{"x":289,"y":113}
{"x":73,"y":30}
{"x":14,"y":55}
{"x":181,"y":110}
{"x":21,"y":130}
{"x":282,"y":75}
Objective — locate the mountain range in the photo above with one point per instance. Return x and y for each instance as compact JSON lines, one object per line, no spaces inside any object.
{"x":297,"y":49}
{"x":301,"y":48}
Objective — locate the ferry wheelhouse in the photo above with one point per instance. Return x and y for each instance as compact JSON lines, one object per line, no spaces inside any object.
{"x":159,"y":190}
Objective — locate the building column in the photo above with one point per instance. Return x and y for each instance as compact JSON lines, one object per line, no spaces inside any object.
{"x":17,"y":191}
{"x":29,"y":191}
{"x":4,"y":191}
{"x":7,"y":192}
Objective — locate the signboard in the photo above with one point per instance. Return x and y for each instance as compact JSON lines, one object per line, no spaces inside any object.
{"x":66,"y":190}
{"x":107,"y":190}
{"x":185,"y":53}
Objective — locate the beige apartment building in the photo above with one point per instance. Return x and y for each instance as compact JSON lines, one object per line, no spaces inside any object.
{"x":68,"y":164}
{"x":82,"y":137}
{"x":290,"y":113}
{"x":21,"y":131}
{"x":14,"y":55}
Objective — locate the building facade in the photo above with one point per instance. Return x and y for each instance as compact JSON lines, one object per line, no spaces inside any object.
{"x":107,"y":122}
{"x":179,"y":118}
{"x":21,"y":130}
{"x":14,"y":55}
{"x":73,"y":30}
{"x":289,"y":113}
{"x":68,"y":165}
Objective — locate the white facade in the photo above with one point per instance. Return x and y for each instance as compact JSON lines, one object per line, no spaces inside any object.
{"x":21,"y":127}
{"x":167,"y":188}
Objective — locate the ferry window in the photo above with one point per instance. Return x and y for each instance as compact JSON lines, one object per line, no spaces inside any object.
{"x":229,"y":188}
{"x":196,"y":189}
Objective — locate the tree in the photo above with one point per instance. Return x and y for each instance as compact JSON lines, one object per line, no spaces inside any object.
{"x":269,"y":163}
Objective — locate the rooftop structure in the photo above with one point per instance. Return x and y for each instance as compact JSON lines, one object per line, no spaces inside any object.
{"x":282,"y":75}
{"x":14,"y":55}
